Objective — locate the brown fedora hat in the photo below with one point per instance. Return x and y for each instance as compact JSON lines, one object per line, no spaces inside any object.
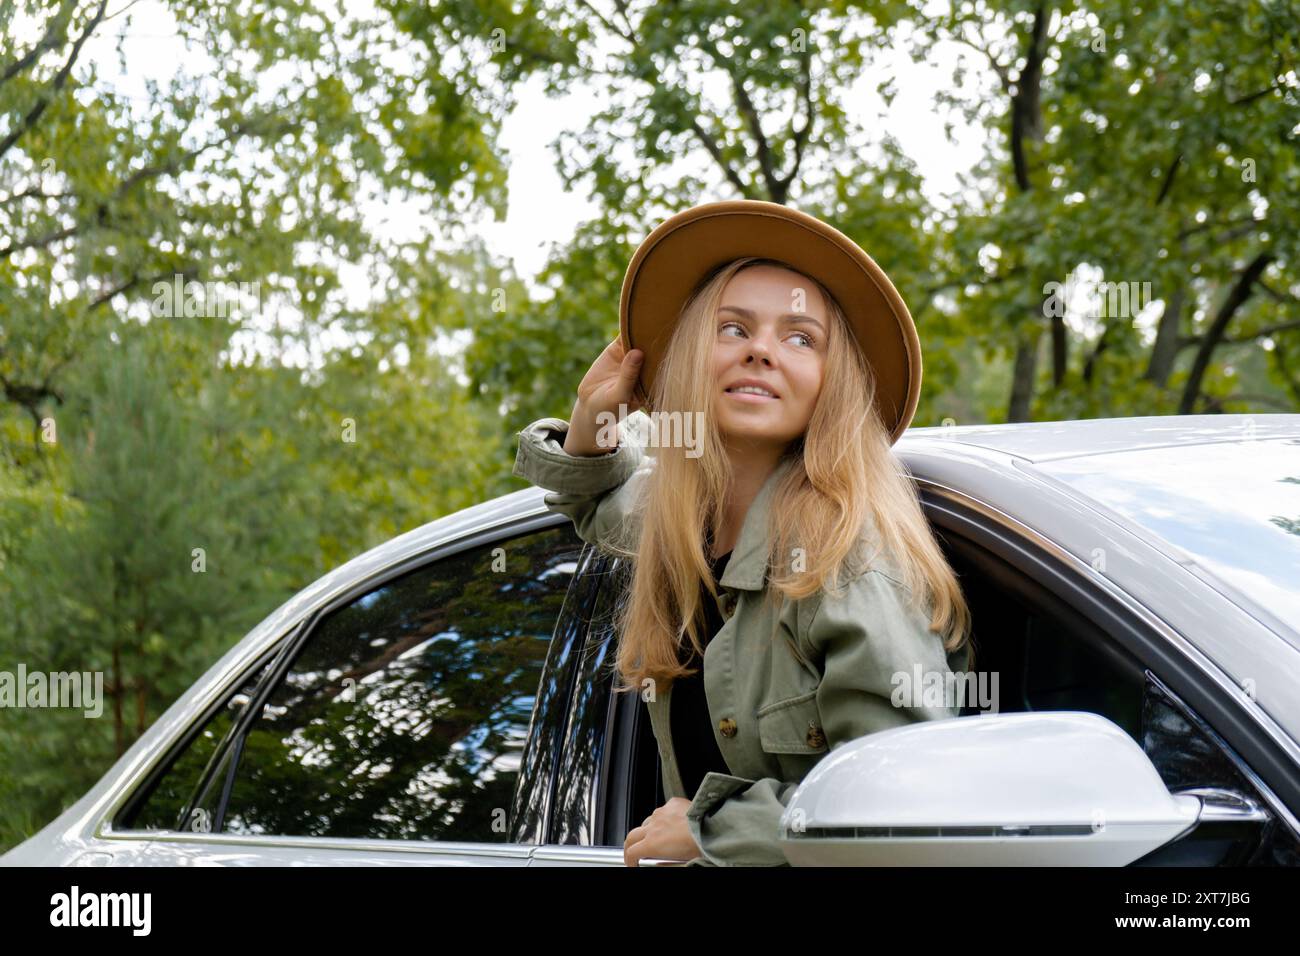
{"x":683,"y":250}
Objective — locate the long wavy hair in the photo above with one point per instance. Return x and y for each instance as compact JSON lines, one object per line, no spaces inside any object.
{"x":846,"y":492}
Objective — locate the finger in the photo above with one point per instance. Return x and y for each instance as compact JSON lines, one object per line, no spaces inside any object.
{"x":615,"y":350}
{"x":634,"y":850}
{"x":635,"y":835}
{"x":630,"y":371}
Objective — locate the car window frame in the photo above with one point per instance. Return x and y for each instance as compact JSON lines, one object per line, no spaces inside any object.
{"x":143,"y":787}
{"x":1182,"y":669}
{"x":1070,"y":588}
{"x":283,"y":651}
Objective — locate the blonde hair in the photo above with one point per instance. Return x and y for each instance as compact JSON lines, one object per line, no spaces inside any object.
{"x":845,"y":489}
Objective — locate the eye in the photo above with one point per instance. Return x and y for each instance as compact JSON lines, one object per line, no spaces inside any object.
{"x":810,"y":341}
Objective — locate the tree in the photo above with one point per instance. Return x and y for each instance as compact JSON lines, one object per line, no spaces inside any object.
{"x":1147,"y":143}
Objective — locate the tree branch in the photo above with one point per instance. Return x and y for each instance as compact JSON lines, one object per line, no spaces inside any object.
{"x":1003,"y":77}
{"x":761,"y":148}
{"x":101,"y":214}
{"x":1169,"y":180}
{"x":1267,"y":330}
{"x":1191,"y":230}
{"x":1274,"y":294}
{"x":33,"y":192}
{"x":57,"y":34}
{"x":1236,"y":297}
{"x":628,"y":36}
{"x":60,"y":79}
{"x":799,"y":136}
{"x":750,"y":114}
{"x":713,"y":150}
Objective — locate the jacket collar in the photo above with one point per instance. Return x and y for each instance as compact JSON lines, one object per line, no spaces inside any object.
{"x":747,"y":566}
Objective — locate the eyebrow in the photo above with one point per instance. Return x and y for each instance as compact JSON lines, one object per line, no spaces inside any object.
{"x":793,"y":316}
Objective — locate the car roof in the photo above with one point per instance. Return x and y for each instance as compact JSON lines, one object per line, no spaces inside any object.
{"x":1046,"y":441}
{"x":959,"y":457}
{"x":995,"y":464}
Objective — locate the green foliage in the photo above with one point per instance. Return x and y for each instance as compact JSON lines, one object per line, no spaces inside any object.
{"x":1152,"y":143}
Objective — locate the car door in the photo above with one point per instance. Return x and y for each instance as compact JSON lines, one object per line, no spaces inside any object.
{"x":394,"y":726}
{"x":601,"y":780}
{"x":1060,"y":640}
{"x":1053,"y":646}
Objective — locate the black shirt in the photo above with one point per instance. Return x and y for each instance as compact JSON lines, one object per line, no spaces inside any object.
{"x":694,"y":745}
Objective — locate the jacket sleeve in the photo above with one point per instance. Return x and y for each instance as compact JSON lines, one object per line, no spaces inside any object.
{"x":867,"y":642}
{"x":870,"y":644}
{"x":736,"y":822}
{"x":599,"y":493}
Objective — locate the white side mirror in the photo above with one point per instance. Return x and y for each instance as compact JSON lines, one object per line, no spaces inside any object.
{"x":1059,"y":788}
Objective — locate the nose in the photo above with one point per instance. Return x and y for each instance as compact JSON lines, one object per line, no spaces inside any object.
{"x":758,"y":349}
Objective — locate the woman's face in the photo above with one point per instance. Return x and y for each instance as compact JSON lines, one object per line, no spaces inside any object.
{"x":771,"y":329}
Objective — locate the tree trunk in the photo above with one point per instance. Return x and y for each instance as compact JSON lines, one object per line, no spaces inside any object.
{"x":1165,"y":350}
{"x":1060,"y":349}
{"x":1025,"y":367}
{"x":118,"y":735}
{"x":1237,"y":296}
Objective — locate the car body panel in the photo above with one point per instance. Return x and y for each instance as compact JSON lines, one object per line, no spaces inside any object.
{"x":85,"y":825}
{"x":992,"y":465}
{"x":1046,"y":441}
{"x":1251,"y":655}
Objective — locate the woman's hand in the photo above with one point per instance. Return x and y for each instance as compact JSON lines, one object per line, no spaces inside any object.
{"x":611,"y":380}
{"x":663,"y":836}
{"x":609,"y":383}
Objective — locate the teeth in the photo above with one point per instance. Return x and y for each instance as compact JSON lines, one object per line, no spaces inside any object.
{"x":752,"y":390}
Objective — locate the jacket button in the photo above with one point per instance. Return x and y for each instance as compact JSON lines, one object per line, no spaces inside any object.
{"x":728,"y":603}
{"x":727,"y":726}
{"x":815,"y":736}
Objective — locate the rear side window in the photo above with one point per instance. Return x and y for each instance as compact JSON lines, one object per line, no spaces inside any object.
{"x":406,"y":712}
{"x":164,"y":807}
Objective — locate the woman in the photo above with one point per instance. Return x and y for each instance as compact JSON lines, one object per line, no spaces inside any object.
{"x":786,"y":586}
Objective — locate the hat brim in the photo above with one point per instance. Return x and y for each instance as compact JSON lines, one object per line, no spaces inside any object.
{"x":681,"y":251}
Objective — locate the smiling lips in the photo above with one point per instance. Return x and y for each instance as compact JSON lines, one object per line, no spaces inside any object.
{"x":752,"y":390}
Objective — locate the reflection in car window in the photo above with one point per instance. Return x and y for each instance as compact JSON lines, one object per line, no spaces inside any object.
{"x":1189,"y":754}
{"x":406,"y":712}
{"x":163,"y":807}
{"x":1233,"y":506}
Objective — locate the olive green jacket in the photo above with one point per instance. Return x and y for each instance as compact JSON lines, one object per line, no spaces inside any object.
{"x":774,"y":718}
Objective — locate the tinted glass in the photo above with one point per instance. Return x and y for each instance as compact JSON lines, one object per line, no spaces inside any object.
{"x":1047,"y":663}
{"x":1189,"y":754}
{"x":589,"y":750}
{"x":1041,"y":659}
{"x":162,"y":809}
{"x":406,"y":712}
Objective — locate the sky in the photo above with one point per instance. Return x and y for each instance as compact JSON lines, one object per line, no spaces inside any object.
{"x":541,"y":211}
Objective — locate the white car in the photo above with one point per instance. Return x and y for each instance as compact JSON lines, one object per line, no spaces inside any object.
{"x":444,"y":699}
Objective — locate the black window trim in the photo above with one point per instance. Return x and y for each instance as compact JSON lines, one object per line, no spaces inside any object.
{"x":1072,"y":588}
{"x":143,"y":787}
{"x":282,"y":652}
{"x":1178,"y":666}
